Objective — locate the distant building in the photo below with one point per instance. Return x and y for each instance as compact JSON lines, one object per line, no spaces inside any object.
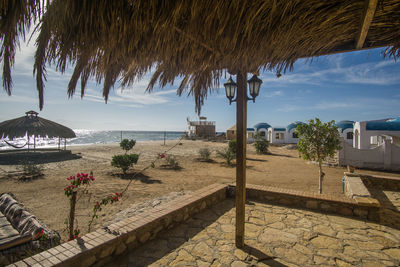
{"x":201,"y":128}
{"x":291,"y":135}
{"x":231,"y":133}
{"x":276,"y":135}
{"x":346,"y":130}
{"x":369,"y":134}
{"x":262,"y":129}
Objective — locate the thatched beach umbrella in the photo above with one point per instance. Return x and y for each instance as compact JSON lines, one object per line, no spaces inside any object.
{"x":195,"y":40}
{"x":31,"y":124}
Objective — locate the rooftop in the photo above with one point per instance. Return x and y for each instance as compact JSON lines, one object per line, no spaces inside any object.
{"x":261,"y":125}
{"x":343,"y":125}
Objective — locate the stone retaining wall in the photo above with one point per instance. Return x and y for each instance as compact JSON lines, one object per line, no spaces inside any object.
{"x":365,"y":208}
{"x":98,"y":247}
{"x":380,"y":182}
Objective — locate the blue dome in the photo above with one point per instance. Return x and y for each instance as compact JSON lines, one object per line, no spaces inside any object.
{"x":293,"y":125}
{"x":390,"y":125}
{"x":343,"y":125}
{"x":394,"y":120}
{"x":261,"y":125}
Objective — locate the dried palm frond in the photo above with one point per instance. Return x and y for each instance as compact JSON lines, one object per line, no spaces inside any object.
{"x":15,"y":20}
{"x":199,"y":40}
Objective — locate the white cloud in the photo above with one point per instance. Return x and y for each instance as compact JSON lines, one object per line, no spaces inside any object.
{"x":376,"y":73}
{"x":270,"y":94}
{"x":358,"y":104}
{"x":18,"y":99}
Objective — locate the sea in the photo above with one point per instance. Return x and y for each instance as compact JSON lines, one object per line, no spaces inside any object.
{"x":90,"y":137}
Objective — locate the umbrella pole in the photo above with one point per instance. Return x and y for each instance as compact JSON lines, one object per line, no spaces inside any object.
{"x":28,"y":142}
{"x":34,"y":143}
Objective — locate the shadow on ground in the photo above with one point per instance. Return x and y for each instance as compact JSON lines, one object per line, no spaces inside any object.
{"x":40,"y":156}
{"x":170,"y":240}
{"x":390,"y":210}
{"x":260,"y":160}
{"x":137,"y":176}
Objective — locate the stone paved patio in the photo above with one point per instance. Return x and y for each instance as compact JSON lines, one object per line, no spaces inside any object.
{"x":275,"y":236}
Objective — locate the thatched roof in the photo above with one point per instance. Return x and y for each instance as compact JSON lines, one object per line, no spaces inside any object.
{"x":195,"y":40}
{"x":31,"y":124}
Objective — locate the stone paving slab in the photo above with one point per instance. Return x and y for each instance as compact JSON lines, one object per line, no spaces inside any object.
{"x":275,"y":236}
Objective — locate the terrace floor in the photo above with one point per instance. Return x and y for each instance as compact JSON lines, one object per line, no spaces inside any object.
{"x":275,"y":236}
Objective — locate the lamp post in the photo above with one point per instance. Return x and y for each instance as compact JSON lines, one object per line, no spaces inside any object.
{"x":241,"y":126}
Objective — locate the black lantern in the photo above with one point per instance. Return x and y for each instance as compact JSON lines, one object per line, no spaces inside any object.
{"x":254,"y":87}
{"x":230,"y":90}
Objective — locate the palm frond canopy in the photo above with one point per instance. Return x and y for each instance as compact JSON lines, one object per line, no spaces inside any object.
{"x":31,"y":124}
{"x":194,"y":40}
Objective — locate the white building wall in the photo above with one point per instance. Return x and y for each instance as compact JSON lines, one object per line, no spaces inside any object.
{"x":365,"y":138}
{"x":383,"y":157}
{"x":272,"y":136}
{"x":344,"y":135}
{"x":289,"y":139}
{"x":263,"y":132}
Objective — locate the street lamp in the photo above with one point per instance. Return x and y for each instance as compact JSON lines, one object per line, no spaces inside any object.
{"x":254,"y":88}
{"x":241,"y":99}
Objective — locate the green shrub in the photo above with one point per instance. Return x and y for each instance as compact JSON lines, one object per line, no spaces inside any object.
{"x":31,"y":171}
{"x":232,"y":146}
{"x":261,"y":144}
{"x":172,"y":162}
{"x":127,"y":144}
{"x":228,"y":155}
{"x":205,"y":154}
{"x":124,"y":162}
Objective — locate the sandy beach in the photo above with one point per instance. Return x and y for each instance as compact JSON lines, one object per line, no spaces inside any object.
{"x":45,"y":198}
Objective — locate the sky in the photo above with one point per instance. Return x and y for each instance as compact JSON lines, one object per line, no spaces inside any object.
{"x":354,"y":86}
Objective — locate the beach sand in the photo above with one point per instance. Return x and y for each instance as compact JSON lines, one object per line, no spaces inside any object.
{"x":45,"y":198}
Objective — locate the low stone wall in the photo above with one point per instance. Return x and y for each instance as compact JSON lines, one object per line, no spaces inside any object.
{"x":98,"y":247}
{"x":354,"y":187}
{"x":365,"y":208}
{"x":380,"y":182}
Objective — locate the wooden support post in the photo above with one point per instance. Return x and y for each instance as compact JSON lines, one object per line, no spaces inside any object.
{"x":368,"y":16}
{"x":241,"y":122}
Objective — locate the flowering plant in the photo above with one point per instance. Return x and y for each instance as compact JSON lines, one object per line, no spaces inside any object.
{"x":76,"y":181}
{"x":75,"y":235}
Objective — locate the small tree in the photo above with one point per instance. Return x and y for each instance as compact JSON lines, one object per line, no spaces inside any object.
{"x":261,"y":144}
{"x":317,"y":142}
{"x":125,"y":161}
{"x":127,"y":144}
{"x":232,"y":146}
{"x":228,"y":155}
